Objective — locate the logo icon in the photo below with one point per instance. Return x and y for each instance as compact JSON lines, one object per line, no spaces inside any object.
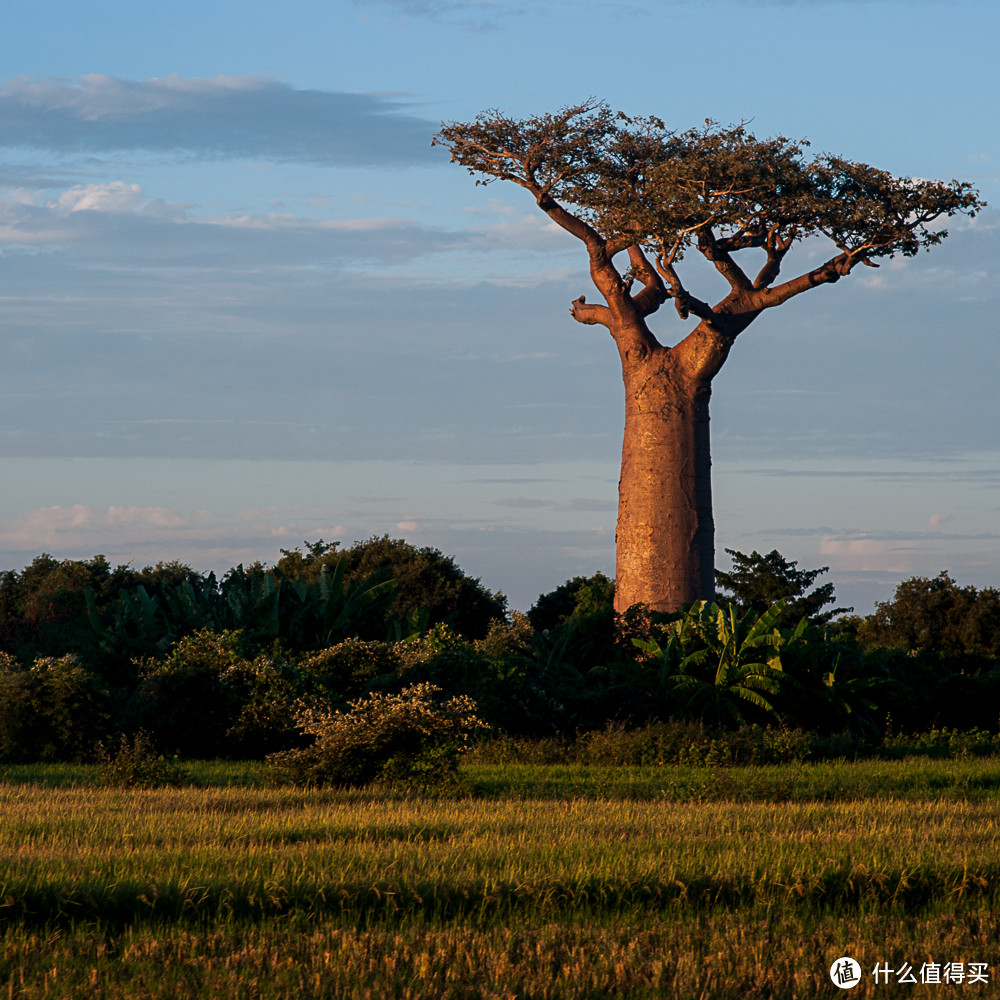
{"x":845,"y":973}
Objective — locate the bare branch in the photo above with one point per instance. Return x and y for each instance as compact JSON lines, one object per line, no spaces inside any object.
{"x":588,"y":313}
{"x":776,"y":247}
{"x":828,"y":273}
{"x":653,"y":293}
{"x":684,"y":302}
{"x":711,"y":249}
{"x":571,"y":223}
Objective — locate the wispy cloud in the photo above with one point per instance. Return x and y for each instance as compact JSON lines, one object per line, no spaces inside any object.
{"x":114,"y":197}
{"x":492,"y":14}
{"x":118,"y":224}
{"x":218,"y":117}
{"x":58,"y":527}
{"x":133,"y":533}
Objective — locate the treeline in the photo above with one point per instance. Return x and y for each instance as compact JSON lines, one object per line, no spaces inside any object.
{"x":211,"y":667}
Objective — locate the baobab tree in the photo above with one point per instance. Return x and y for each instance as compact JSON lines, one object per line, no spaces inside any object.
{"x":639,"y":196}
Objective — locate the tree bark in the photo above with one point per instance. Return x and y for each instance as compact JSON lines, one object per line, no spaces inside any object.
{"x":666,"y":532}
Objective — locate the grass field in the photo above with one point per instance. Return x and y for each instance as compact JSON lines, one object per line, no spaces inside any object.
{"x":540,"y":882}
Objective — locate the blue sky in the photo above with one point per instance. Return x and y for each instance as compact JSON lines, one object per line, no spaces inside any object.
{"x":244,"y":303}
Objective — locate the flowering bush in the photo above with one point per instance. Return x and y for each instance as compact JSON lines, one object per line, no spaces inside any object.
{"x":406,"y":738}
{"x":347,"y":670}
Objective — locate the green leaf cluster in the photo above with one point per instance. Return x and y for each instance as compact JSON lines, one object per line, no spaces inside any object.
{"x":636,"y":181}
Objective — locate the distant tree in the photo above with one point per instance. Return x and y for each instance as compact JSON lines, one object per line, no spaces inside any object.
{"x":757,"y":582}
{"x":43,"y":608}
{"x":306,"y":565}
{"x":576,"y":598}
{"x":936,"y":615}
{"x":427,"y":580}
{"x":631,"y":186}
{"x":166,"y":577}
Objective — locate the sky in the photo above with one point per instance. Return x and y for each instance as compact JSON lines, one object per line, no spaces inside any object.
{"x":244,"y":303}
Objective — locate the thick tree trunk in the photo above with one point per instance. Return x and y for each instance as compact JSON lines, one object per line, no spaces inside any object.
{"x":666,"y":533}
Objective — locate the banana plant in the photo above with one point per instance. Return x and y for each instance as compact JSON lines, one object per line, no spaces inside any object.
{"x":138,"y":626}
{"x":343,"y":606}
{"x":848,"y":697}
{"x":307,"y":614}
{"x":718,"y":666}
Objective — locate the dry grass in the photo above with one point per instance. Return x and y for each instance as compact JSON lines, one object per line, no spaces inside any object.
{"x":265,"y":892}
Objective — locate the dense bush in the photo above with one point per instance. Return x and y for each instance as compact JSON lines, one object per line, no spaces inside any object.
{"x":408,"y":738}
{"x":54,"y":710}
{"x":348,"y":669}
{"x":190,"y":700}
{"x":89,"y":653}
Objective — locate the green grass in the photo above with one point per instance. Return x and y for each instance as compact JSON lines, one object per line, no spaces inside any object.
{"x":915,"y":778}
{"x":543,"y":882}
{"x":218,"y":773}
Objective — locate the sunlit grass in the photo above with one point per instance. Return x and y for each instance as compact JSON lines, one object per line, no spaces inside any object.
{"x":715,"y":890}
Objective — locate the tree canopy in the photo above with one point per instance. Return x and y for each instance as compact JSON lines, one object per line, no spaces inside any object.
{"x":427,"y":581}
{"x":623,"y":183}
{"x":936,"y":615}
{"x":758,"y":582}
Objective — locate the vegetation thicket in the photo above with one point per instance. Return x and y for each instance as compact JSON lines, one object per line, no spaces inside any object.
{"x":204,"y":668}
{"x":407,"y":737}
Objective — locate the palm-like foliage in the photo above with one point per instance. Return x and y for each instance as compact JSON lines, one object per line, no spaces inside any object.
{"x":721,"y":667}
{"x":850,"y":698}
{"x":306,"y":613}
{"x":263,"y":605}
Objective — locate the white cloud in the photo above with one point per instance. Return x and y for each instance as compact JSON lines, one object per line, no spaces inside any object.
{"x":133,"y":533}
{"x":117,"y":228}
{"x":156,"y":517}
{"x":117,"y":196}
{"x":96,"y":96}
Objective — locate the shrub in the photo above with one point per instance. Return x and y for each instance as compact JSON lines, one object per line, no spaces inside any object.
{"x":502,"y":748}
{"x":675,"y":742}
{"x":406,"y":738}
{"x":946,"y":743}
{"x":262,"y":694}
{"x":346,"y":670}
{"x":57,"y":710}
{"x":19,"y":718}
{"x":137,"y":765}
{"x":189,"y":701}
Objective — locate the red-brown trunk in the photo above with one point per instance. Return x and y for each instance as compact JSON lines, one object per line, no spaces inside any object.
{"x":666,"y":533}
